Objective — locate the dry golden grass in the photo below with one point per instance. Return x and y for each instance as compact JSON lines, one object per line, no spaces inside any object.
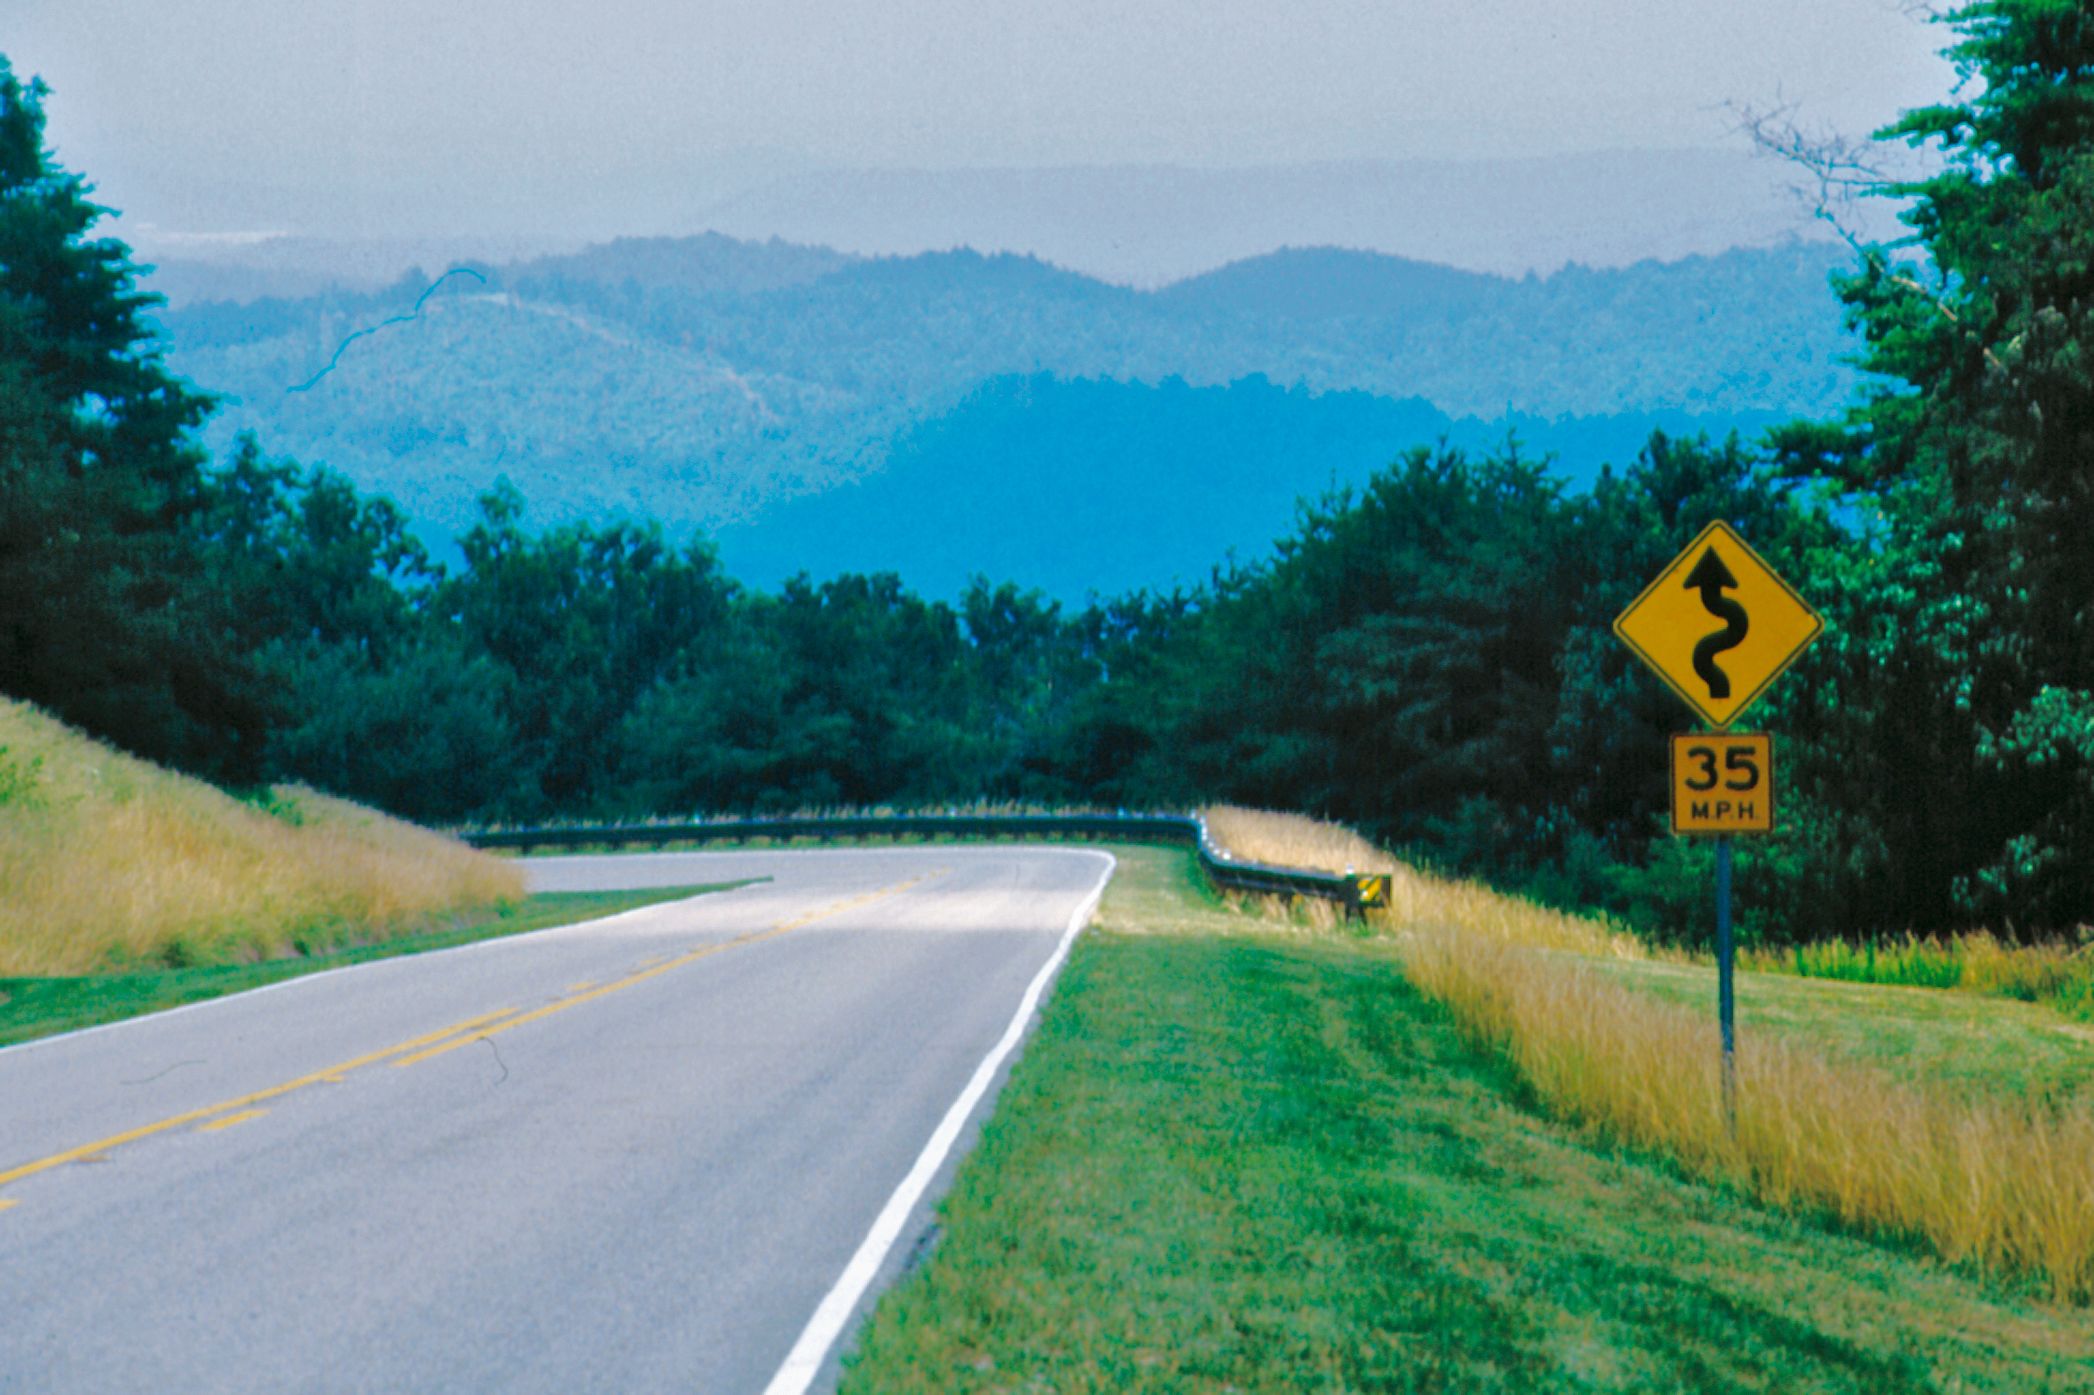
{"x":2006,"y":1185}
{"x":1293,"y":840}
{"x":107,"y":860}
{"x":1415,"y":897}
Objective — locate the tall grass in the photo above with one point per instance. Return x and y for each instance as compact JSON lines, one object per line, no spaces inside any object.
{"x":107,"y":861}
{"x":2059,"y":974}
{"x":2006,"y":1185}
{"x":1292,"y":840}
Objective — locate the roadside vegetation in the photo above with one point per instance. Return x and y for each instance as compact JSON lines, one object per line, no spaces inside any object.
{"x":110,"y":862}
{"x":1986,"y":1154}
{"x":2059,"y":973}
{"x":1241,"y":1155}
{"x":44,"y":1005}
{"x":1995,"y":1179}
{"x":128,"y":889}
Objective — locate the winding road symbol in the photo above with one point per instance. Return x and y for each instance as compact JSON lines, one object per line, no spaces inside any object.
{"x":1760,"y":625}
{"x":1711,"y":578}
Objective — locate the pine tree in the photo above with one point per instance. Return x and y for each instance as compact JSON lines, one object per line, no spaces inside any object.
{"x":106,"y":616}
{"x":1972,"y":623}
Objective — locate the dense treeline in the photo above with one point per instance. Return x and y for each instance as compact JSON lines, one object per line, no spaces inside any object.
{"x":1426,"y":655}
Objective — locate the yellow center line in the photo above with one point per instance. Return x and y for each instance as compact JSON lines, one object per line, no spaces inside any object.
{"x":231,"y":1119}
{"x":117,"y":1140}
{"x":656,"y":969}
{"x":7,"y":1201}
{"x":429,"y":1044}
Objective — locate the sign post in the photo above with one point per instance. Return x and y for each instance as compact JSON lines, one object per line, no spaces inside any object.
{"x":1726,"y":1000}
{"x":1722,"y":781}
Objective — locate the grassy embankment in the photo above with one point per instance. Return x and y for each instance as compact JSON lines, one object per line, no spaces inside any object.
{"x":1966,"y":1123}
{"x":2058,"y":974}
{"x":125,"y":888}
{"x":1245,"y":1157}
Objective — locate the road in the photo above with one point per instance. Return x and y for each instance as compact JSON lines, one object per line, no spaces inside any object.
{"x":672,"y":1149}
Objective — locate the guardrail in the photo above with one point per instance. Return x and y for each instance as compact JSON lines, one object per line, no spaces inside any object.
{"x":1355,"y":892}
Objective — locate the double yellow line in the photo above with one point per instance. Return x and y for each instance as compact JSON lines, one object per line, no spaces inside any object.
{"x":431,"y":1044}
{"x":328,"y":1075}
{"x":589,"y":995}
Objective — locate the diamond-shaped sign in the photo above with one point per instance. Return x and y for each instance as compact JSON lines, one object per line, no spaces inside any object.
{"x":1718,"y":625}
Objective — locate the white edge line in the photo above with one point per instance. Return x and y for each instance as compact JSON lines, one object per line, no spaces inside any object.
{"x":804,"y":1361}
{"x":390,"y":960}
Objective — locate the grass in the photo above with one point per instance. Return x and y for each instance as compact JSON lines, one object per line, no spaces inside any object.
{"x":1987,"y":1155}
{"x":109,"y":862}
{"x":1974,"y":1046}
{"x":1414,"y":896}
{"x":43,"y":1006}
{"x":1999,"y":1181}
{"x":2059,"y":974}
{"x":1292,"y":840}
{"x":1237,"y":1157}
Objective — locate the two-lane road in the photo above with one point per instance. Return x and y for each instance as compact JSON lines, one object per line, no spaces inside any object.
{"x":675,"y":1149}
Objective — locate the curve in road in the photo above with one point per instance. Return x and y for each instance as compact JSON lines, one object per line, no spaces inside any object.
{"x":677,"y":1148}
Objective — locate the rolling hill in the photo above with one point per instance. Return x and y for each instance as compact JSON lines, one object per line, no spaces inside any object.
{"x":730,"y":386}
{"x":1093,"y":485}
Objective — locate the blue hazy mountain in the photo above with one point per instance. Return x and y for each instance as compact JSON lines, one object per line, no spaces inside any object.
{"x":1328,"y":283}
{"x":731,"y":386}
{"x":1085,"y":486}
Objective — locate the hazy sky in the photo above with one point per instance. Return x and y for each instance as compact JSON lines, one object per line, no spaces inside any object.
{"x":203,"y":112}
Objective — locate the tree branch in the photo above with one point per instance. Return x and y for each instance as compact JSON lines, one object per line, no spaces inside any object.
{"x":1840,"y":171}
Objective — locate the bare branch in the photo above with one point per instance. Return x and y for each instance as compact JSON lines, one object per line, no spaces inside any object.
{"x":1837,"y":170}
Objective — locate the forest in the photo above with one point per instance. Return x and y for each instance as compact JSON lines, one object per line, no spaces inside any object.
{"x":1425,"y":655}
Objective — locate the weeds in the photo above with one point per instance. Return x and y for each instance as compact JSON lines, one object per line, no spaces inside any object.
{"x":2059,"y":974}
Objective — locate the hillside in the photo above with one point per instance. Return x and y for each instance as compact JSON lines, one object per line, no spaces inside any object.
{"x":708,"y":382}
{"x":182,"y":873}
{"x":1321,"y":283}
{"x":1076,"y":487}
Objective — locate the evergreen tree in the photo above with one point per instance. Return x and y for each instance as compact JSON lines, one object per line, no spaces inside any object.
{"x":108,"y":616}
{"x":1968,"y":624}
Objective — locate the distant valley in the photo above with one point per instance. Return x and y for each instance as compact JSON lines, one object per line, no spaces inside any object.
{"x":947,"y":413}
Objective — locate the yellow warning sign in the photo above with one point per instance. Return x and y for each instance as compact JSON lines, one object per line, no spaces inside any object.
{"x":1373,"y":888}
{"x":1723,"y":782}
{"x":1718,"y":625}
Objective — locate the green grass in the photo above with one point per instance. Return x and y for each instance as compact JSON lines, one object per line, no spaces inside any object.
{"x":1971,"y":1042}
{"x":1241,"y":1159}
{"x":36,"y":1007}
{"x":2058,"y":974}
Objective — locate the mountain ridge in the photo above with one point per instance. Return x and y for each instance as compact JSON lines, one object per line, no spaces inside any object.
{"x":709,"y":381}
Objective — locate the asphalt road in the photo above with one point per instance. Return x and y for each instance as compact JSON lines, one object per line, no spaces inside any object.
{"x":652,"y":1152}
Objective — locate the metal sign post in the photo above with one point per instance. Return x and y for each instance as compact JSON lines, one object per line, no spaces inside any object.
{"x":1726,"y":1005}
{"x":1722,"y":781}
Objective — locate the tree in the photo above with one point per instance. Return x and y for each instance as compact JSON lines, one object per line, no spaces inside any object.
{"x":1971,"y":633}
{"x":109,"y":618}
{"x":583,"y":620}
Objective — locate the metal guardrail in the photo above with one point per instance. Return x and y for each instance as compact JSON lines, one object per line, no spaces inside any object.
{"x":1356,"y":892}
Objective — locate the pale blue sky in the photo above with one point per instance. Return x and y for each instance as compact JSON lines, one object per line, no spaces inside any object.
{"x":211,"y":112}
